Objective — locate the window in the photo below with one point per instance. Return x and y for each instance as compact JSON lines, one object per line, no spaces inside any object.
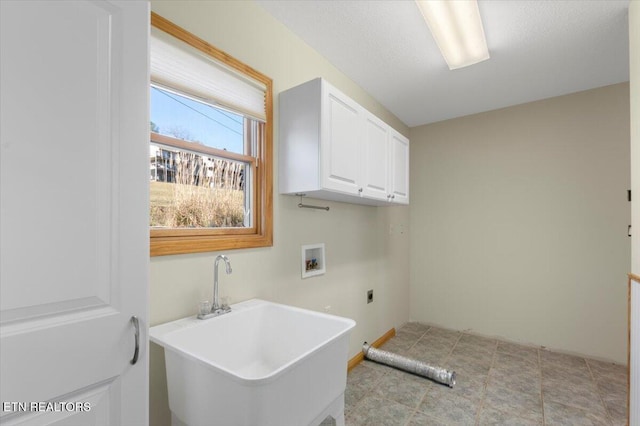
{"x":210,"y":151}
{"x":202,"y":164}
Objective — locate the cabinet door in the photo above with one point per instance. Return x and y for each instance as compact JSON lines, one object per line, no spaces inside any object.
{"x":375,"y":158}
{"x":399,"y":168}
{"x":341,"y":127}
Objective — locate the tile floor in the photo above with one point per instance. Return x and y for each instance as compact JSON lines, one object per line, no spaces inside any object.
{"x":498,"y":383}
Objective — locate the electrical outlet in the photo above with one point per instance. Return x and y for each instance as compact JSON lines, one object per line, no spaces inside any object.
{"x":369,"y":296}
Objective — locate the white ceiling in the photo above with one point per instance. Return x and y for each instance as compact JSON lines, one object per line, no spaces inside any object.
{"x":538,"y":49}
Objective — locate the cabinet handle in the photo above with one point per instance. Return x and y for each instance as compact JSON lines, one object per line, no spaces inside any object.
{"x":388,"y":195}
{"x":136,"y":325}
{"x":359,"y":189}
{"x":393,"y":196}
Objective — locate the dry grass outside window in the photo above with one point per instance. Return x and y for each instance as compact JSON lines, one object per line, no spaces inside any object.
{"x":207,"y":193}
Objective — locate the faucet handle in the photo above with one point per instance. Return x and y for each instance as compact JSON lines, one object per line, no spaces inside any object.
{"x":225,"y":304}
{"x":204,"y":308}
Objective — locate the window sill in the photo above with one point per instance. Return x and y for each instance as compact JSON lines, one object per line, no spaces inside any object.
{"x":163,"y":246}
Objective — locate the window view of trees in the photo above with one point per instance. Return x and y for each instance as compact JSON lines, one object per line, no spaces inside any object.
{"x":195,"y":185}
{"x":211,"y":146}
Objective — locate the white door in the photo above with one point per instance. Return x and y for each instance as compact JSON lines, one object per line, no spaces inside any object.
{"x":634,"y":320}
{"x":375,"y":158}
{"x":399,"y":168}
{"x":73,"y":212}
{"x":341,"y":125}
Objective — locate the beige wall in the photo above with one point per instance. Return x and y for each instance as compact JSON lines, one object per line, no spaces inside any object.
{"x":519,"y":222}
{"x":361,"y":252}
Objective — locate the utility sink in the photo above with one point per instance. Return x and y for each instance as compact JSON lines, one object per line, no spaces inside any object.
{"x":261,"y":364}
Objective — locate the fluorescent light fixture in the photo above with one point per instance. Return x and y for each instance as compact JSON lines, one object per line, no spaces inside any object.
{"x":457,"y":29}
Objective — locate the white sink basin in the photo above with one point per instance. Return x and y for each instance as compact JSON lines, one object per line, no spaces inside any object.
{"x":261,"y":364}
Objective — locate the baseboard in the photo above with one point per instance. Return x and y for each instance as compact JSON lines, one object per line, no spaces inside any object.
{"x":379,"y":342}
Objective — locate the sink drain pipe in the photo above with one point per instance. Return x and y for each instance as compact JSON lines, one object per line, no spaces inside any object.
{"x":400,"y":362}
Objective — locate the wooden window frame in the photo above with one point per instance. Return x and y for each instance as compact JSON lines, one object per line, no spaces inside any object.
{"x":183,"y":241}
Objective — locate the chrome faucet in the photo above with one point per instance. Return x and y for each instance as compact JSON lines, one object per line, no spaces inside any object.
{"x":216,"y":308}
{"x":216,"y":303}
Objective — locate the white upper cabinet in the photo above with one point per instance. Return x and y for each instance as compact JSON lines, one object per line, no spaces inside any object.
{"x":332,"y":148}
{"x":399,"y":166}
{"x":375,"y":158}
{"x":340,"y":153}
